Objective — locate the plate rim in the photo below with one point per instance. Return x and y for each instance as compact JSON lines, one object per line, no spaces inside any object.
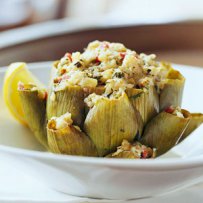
{"x":139,"y":164}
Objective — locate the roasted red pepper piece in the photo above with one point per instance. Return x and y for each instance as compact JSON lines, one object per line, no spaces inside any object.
{"x":170,"y":109}
{"x":69,"y":56}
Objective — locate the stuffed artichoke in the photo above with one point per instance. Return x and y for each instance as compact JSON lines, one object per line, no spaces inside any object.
{"x":109,"y":101}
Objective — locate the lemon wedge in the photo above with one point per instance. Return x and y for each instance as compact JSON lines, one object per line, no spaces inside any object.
{"x":17,"y":72}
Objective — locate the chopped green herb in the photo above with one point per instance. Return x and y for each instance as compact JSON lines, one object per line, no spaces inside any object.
{"x":78,"y":64}
{"x":118,"y":74}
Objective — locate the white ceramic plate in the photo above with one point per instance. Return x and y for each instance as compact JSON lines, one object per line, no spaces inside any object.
{"x":101,"y":177}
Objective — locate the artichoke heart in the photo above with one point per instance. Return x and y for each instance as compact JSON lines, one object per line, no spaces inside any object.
{"x":172,"y":88}
{"x":165,"y":130}
{"x":133,"y":151}
{"x":65,"y":138}
{"x":34,"y":107}
{"x":68,"y":99}
{"x":195,"y":122}
{"x":110,"y":121}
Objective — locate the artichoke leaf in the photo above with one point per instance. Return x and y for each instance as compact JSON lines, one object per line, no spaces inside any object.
{"x":110,"y":121}
{"x":34,"y":108}
{"x":136,"y":97}
{"x":69,"y":140}
{"x":172,"y":91}
{"x":151,"y":103}
{"x":195,"y":122}
{"x":70,"y":99}
{"x":165,"y":131}
{"x":145,"y":101}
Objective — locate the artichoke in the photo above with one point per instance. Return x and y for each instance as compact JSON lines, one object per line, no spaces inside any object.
{"x":65,"y":138}
{"x":145,"y":101}
{"x":195,"y":121}
{"x":166,"y":129}
{"x":70,"y":99}
{"x":109,"y":101}
{"x":109,"y":122}
{"x":34,"y":108}
{"x":172,"y":88}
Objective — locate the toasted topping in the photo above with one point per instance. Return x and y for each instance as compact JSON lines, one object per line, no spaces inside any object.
{"x":56,"y":123}
{"x":92,"y":99}
{"x":135,"y":150}
{"x":88,"y":82}
{"x":75,"y":77}
{"x":149,"y":60}
{"x":29,"y":86}
{"x":42,"y":93}
{"x":99,"y":63}
{"x":145,"y":82}
{"x":116,"y":86}
{"x":161,"y":73}
{"x":111,"y":65}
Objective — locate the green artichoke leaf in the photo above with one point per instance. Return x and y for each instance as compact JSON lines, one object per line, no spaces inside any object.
{"x":145,"y":101}
{"x":69,"y":140}
{"x":34,"y":108}
{"x":110,"y":121}
{"x":151,"y":103}
{"x":195,"y":122}
{"x":70,"y":99}
{"x":172,"y":91}
{"x":165,"y":131}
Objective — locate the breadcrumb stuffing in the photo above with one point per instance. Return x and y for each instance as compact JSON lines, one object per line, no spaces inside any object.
{"x":63,"y":121}
{"x":133,"y":151}
{"x":112,"y":66}
{"x":176,"y":111}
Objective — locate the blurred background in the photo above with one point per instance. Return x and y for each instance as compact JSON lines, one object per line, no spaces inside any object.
{"x":23,"y":13}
